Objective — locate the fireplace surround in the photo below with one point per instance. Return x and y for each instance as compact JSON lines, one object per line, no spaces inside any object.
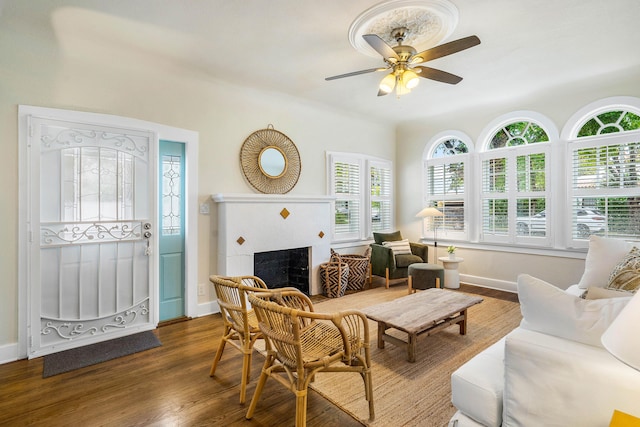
{"x":255,"y":223}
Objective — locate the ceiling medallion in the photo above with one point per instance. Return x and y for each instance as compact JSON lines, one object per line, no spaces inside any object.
{"x":428,"y":22}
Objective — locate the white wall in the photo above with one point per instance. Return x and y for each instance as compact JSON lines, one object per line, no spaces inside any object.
{"x":36,"y":70}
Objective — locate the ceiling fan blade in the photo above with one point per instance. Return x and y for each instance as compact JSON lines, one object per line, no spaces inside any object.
{"x":382,"y":93}
{"x":438,"y":75}
{"x":355,"y":73}
{"x":445,"y":49}
{"x":381,"y":46}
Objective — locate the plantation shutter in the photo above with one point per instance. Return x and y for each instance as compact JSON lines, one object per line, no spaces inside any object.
{"x":381,"y":215}
{"x":604,"y":188}
{"x":347,"y":190}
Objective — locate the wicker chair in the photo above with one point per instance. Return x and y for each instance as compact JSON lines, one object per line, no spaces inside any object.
{"x":240,"y":323}
{"x":301,"y":343}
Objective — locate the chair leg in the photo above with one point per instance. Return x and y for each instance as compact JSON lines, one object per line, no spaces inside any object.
{"x":386,"y":278}
{"x":258,"y":391}
{"x":219,"y":352}
{"x":301,"y":408}
{"x":246,"y":376}
{"x":368,"y":388}
{"x":410,"y":285}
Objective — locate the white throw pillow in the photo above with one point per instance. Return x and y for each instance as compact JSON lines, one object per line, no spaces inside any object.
{"x":603,"y":255}
{"x":399,"y":247}
{"x":548,"y":309}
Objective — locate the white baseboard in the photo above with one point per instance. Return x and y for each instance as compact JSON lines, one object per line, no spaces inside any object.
{"x":208,"y":308}
{"x":8,"y":353}
{"x":485,"y":282}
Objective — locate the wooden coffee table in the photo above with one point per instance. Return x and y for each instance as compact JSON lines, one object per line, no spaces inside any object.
{"x":425,"y":312}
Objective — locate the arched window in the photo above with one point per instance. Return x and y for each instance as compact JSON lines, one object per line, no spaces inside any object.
{"x":604,"y":155}
{"x":446,"y":163}
{"x":515,"y":165}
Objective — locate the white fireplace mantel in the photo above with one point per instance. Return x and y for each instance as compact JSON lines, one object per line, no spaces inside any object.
{"x":251,"y":223}
{"x":269,"y":198}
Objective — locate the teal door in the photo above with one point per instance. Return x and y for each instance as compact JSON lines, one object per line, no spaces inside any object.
{"x":172,"y":230}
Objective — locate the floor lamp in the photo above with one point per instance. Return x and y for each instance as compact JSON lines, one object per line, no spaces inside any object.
{"x":432,"y":213}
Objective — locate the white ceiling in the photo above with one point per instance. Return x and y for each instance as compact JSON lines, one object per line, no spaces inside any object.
{"x":290,"y":46}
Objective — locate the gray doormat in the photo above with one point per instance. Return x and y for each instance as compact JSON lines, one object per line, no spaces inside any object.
{"x":87,"y":355}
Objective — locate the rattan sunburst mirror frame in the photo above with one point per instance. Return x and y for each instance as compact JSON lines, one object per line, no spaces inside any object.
{"x":253,"y":148}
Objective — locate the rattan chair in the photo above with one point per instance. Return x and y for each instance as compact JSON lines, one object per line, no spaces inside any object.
{"x":302,"y":343}
{"x":240,"y":323}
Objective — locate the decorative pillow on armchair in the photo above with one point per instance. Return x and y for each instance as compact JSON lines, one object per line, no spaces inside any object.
{"x":399,"y":247}
{"x":550,"y":310}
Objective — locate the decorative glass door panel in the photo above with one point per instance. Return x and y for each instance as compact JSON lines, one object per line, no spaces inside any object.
{"x":91,"y":204}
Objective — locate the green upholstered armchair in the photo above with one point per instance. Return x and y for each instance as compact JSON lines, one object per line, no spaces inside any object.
{"x":385,"y":264}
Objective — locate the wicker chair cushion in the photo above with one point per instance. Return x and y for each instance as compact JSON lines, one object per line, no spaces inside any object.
{"x":405,"y":260}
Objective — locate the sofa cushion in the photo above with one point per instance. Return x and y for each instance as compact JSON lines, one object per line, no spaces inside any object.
{"x":399,"y":247}
{"x":548,"y":309}
{"x":387,"y":237}
{"x":476,"y":386}
{"x":625,"y":276}
{"x":461,"y":420}
{"x":550,"y":381}
{"x":603,"y":255}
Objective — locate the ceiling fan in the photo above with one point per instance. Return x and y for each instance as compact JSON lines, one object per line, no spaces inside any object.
{"x":403,"y":62}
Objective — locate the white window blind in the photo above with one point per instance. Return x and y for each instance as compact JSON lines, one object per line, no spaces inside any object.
{"x":605,"y":195}
{"x":363,"y":191}
{"x":347,"y":182}
{"x":380,"y":186}
{"x":445,"y":178}
{"x":515,"y":173}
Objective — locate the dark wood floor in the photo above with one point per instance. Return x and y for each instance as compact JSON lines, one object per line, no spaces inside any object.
{"x":164,"y":386}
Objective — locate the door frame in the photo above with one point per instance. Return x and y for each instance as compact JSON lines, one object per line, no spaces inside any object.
{"x":188,"y":137}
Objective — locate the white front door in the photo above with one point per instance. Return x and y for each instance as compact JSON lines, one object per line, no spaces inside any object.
{"x":91,"y":231}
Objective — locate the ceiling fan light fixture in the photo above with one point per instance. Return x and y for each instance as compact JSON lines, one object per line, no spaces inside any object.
{"x":410,"y":79}
{"x":388,"y":83}
{"x":401,"y":89}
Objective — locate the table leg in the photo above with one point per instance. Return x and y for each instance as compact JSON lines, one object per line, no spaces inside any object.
{"x":463,"y":323}
{"x":411,"y":348}
{"x":382,"y":327}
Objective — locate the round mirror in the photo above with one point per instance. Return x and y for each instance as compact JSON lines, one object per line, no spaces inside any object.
{"x":272,"y":162}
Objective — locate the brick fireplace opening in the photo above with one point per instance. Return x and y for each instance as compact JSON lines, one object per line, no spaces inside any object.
{"x":279,"y":269}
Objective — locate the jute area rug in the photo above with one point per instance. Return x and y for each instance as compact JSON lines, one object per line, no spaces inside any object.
{"x":414,"y":394}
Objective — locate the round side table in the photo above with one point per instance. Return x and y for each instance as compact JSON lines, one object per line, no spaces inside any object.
{"x":451,"y":274}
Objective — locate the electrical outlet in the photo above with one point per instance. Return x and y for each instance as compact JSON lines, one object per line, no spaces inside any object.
{"x":201,"y":289}
{"x":204,"y":208}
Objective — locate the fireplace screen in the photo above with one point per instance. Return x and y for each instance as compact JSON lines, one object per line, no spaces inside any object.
{"x":279,"y":269}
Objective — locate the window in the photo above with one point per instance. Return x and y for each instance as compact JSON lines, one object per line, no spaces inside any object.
{"x":514,"y":190}
{"x":445,"y":177}
{"x":380,"y":185}
{"x":604,"y":188}
{"x":362,"y":186}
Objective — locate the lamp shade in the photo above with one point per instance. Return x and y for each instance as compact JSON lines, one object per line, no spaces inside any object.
{"x":427,"y":212}
{"x":621,"y":338}
{"x":410,"y":79}
{"x":388,"y":83}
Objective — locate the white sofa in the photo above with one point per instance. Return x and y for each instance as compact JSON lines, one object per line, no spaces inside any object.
{"x":552,"y":370}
